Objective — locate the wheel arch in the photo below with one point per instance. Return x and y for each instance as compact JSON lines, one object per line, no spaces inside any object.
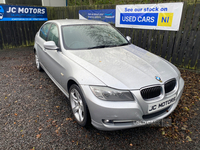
{"x":70,"y":83}
{"x":34,"y":50}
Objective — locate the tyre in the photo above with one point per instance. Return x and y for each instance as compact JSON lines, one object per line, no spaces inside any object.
{"x":79,"y":106}
{"x":38,"y":63}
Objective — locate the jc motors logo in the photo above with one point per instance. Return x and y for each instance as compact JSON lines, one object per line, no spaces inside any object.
{"x":152,"y":108}
{"x":1,"y":12}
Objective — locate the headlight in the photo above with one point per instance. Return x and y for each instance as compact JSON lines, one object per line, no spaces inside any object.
{"x":110,"y":94}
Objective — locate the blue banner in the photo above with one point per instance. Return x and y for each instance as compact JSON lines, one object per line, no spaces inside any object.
{"x":106,"y":15}
{"x":22,"y":13}
{"x":147,"y":19}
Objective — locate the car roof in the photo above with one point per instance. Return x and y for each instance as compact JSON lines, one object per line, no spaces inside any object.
{"x":63,"y":22}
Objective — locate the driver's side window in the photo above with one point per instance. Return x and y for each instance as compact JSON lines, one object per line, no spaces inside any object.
{"x":53,"y":34}
{"x":44,"y":31}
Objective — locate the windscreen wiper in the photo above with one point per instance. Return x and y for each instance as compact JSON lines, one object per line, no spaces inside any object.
{"x":101,"y":46}
{"x":123,"y":44}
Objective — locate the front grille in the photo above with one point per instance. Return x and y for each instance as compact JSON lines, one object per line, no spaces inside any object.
{"x":169,"y":86}
{"x":151,"y":92}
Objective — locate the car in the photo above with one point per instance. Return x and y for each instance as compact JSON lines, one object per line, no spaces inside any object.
{"x":110,"y":83}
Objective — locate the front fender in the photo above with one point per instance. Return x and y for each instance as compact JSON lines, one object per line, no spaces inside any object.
{"x":73,"y":71}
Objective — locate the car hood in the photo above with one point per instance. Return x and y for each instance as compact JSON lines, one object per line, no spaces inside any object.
{"x":125,"y":67}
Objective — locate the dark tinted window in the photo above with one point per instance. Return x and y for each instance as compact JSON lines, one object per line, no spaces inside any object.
{"x":90,"y":36}
{"x":44,"y":31}
{"x":53,"y":34}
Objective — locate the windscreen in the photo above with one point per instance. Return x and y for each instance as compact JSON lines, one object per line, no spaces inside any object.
{"x":91,"y":36}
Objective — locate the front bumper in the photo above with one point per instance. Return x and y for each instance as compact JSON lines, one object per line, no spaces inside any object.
{"x":125,"y":114}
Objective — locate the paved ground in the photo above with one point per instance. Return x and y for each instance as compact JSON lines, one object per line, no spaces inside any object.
{"x":34,"y":114}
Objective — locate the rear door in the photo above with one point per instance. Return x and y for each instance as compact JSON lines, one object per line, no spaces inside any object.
{"x":42,"y":37}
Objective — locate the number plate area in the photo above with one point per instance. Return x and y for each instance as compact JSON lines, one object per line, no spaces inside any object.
{"x":161,"y":104}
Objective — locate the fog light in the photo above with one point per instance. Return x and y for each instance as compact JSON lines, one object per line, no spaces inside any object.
{"x":107,"y":121}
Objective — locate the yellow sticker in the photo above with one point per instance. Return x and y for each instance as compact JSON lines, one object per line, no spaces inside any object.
{"x":165,"y":19}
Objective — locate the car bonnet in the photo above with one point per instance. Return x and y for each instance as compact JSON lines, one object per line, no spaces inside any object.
{"x":125,"y":67}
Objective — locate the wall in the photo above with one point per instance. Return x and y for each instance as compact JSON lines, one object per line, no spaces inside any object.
{"x":181,"y":47}
{"x":2,"y":2}
{"x":24,"y":2}
{"x":53,"y":3}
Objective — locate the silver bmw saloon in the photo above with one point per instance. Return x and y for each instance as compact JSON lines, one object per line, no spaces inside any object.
{"x":110,"y":83}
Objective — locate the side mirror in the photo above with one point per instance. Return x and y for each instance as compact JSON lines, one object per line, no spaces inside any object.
{"x":128,"y":38}
{"x":50,"y":45}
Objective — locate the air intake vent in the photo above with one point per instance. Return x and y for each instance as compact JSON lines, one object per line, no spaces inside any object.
{"x":150,"y":116}
{"x":169,"y":86}
{"x":151,"y":92}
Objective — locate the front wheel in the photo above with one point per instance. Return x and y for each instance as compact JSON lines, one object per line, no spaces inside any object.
{"x":38,"y":63}
{"x":79,"y":106}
